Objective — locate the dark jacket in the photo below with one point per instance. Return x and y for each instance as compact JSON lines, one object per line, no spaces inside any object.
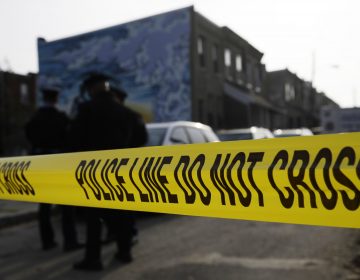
{"x":103,"y":124}
{"x":46,"y":131}
{"x":139,"y":134}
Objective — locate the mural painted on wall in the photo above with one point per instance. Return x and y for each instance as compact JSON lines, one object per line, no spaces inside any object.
{"x":149,"y":58}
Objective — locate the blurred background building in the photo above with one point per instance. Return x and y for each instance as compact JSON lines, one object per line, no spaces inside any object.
{"x":228,"y":77}
{"x":181,"y":66}
{"x":17,"y":103}
{"x":174,"y":66}
{"x":298,"y":101}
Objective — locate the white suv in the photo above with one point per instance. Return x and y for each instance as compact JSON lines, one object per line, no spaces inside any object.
{"x":179,"y":132}
{"x":293,"y":132}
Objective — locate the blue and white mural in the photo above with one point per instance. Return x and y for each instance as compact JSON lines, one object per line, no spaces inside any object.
{"x":149,"y":58}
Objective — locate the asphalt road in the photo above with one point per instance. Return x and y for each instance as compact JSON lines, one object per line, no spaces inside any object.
{"x":178,"y":247}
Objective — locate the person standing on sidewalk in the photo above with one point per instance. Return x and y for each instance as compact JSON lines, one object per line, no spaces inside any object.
{"x":47,"y":132}
{"x":121,"y":224}
{"x":102,"y":124}
{"x":139,"y":135}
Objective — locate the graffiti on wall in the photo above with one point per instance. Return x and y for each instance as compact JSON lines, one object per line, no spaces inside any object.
{"x":148,"y":58}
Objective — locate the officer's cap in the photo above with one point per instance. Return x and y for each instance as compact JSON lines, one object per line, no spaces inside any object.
{"x":93,"y":78}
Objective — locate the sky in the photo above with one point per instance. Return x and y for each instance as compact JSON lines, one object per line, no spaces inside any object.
{"x":319,"y":40}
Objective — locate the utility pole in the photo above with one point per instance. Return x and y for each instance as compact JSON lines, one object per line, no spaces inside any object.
{"x":355,"y":97}
{"x":313,"y":67}
{"x":2,"y":114}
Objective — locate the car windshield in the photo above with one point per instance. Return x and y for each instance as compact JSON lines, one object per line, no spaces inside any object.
{"x":235,"y":136}
{"x":287,"y":135}
{"x":155,"y":136}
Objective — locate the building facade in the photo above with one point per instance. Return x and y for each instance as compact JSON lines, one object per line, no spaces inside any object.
{"x":149,"y":58}
{"x":17,"y":104}
{"x":180,"y":66}
{"x":299,"y":103}
{"x":228,"y":78}
{"x":175,"y":66}
{"x":339,"y":120}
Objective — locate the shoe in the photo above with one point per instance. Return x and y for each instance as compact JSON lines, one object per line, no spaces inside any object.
{"x":356,"y":261}
{"x":49,"y":246}
{"x":88,"y":265}
{"x":109,"y":238}
{"x":73,"y":247}
{"x":124,"y":257}
{"x":134,"y":240}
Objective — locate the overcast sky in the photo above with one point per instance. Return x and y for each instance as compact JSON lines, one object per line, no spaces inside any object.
{"x":316,"y":39}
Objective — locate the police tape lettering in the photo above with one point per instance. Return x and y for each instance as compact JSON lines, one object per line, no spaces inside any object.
{"x":13,"y":179}
{"x":308,"y":180}
{"x":287,"y":200}
{"x":155,"y":184}
{"x":94,"y":177}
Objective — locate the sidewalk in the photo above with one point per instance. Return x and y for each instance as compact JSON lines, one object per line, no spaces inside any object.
{"x":14,"y":212}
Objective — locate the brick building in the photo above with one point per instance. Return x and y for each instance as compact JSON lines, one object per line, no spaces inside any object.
{"x":181,"y":66}
{"x":17,"y":103}
{"x":228,"y":78}
{"x":175,"y":66}
{"x":299,"y":103}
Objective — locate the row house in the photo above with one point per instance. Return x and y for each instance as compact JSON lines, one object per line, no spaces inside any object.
{"x":298,"y":101}
{"x":181,"y":66}
{"x":17,"y":104}
{"x":228,"y":78}
{"x":174,"y":66}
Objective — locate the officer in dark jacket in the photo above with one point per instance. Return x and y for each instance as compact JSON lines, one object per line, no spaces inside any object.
{"x":46,"y":131}
{"x":102,"y":124}
{"x":138,"y":137}
{"x":120,"y":218}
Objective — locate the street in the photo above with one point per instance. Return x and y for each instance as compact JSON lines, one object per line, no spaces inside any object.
{"x":180,"y":247}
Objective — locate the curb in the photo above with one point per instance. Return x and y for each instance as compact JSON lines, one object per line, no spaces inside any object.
{"x":17,"y":219}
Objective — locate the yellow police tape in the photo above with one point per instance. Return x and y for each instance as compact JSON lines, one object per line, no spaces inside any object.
{"x":304,"y":180}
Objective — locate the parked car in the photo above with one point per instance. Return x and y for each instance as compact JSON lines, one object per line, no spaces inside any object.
{"x":292,"y":132}
{"x":179,"y":132}
{"x":244,"y":134}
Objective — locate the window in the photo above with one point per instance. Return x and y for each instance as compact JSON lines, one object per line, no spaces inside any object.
{"x":243,"y":58}
{"x":326,"y":113}
{"x":239,"y":69}
{"x":24,"y":94}
{"x":235,"y":136}
{"x":155,"y":136}
{"x":201,"y":50}
{"x":227,"y":57}
{"x":250,"y":75}
{"x":257,"y":77}
{"x":196,"y":135}
{"x":179,"y":136}
{"x":209,"y":136}
{"x":289,"y":92}
{"x":214,"y":56}
{"x":227,"y":60}
{"x":238,"y":63}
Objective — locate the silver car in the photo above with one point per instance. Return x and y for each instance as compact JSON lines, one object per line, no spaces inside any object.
{"x":244,"y":134}
{"x":179,"y":132}
{"x":293,"y":132}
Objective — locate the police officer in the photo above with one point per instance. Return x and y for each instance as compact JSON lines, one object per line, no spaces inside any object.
{"x":120,"y":221}
{"x":102,"y":123}
{"x":138,"y":137}
{"x":46,"y":131}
